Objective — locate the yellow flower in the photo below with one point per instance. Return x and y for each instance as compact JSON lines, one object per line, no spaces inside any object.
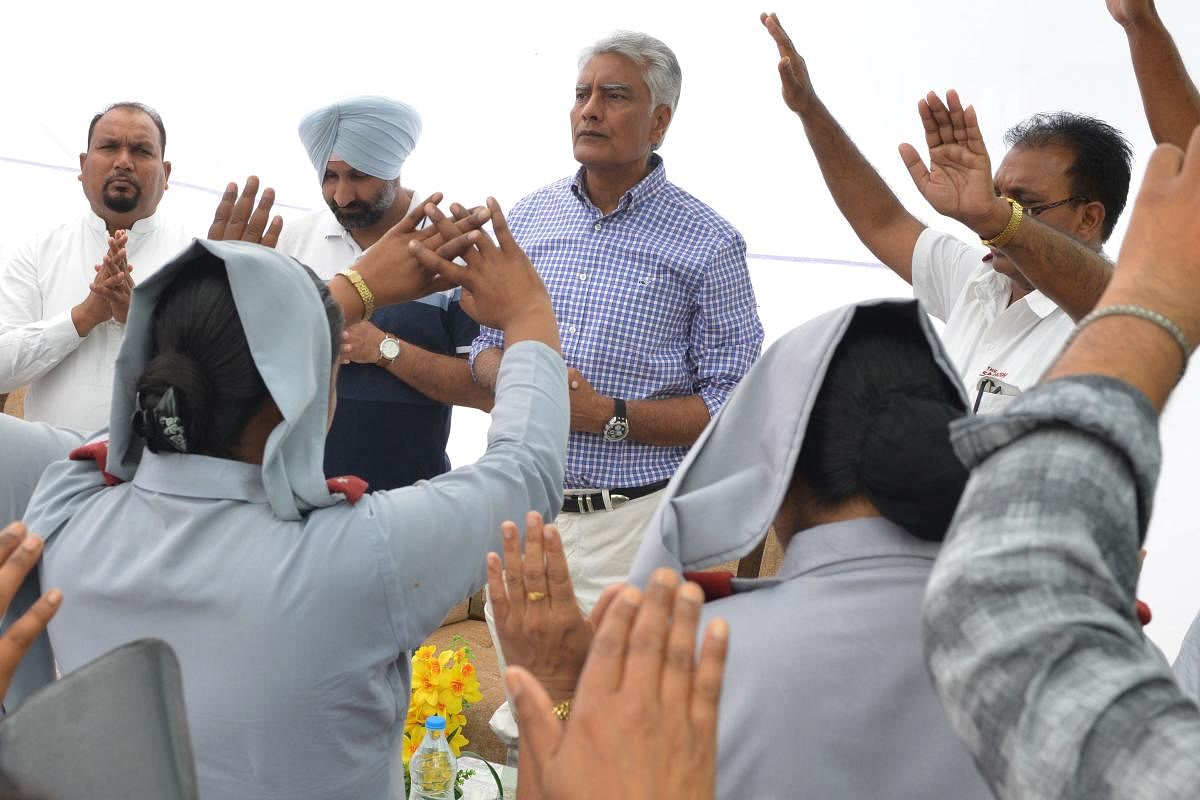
{"x":457,"y":742}
{"x":424,"y":653}
{"x":466,"y":690}
{"x":412,"y":740}
{"x":428,"y":680}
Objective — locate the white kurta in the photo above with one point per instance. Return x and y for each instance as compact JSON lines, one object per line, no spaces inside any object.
{"x":70,"y":377}
{"x":985,"y":336}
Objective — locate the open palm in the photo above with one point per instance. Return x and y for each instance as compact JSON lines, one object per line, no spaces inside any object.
{"x":958,"y":180}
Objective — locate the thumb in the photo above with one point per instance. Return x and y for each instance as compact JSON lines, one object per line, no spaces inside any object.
{"x":541,"y":731}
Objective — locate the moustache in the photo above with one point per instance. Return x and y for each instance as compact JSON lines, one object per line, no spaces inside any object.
{"x":124,"y":178}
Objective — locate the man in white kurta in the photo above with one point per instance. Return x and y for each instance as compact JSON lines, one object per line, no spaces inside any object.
{"x":56,"y":335}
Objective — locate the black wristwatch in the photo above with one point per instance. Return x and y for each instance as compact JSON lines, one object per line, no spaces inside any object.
{"x":617,"y":428}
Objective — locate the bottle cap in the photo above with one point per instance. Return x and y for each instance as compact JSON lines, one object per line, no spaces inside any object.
{"x":435,"y":723}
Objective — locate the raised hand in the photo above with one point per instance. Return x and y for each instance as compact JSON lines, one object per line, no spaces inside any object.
{"x":238,"y":219}
{"x":958,"y":182}
{"x":1157,"y":267}
{"x":19,"y":552}
{"x":793,"y":73}
{"x":501,"y":289}
{"x":533,"y":605}
{"x":1131,"y":12}
{"x":644,"y":718}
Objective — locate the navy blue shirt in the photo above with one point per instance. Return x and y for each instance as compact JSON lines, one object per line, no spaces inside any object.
{"x":385,"y":431}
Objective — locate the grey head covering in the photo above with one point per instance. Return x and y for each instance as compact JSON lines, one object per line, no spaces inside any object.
{"x":288,"y":333}
{"x":372,"y":134}
{"x":724,"y":496}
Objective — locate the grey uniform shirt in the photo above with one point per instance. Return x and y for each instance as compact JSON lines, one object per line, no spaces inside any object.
{"x":1030,"y":628}
{"x":826,"y":694}
{"x":293,"y":634}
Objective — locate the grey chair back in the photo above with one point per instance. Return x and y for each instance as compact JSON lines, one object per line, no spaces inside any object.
{"x":115,"y":729}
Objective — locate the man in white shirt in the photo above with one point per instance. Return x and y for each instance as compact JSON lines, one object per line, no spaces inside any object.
{"x":64,"y":295}
{"x":406,"y":366}
{"x":1043,"y":217}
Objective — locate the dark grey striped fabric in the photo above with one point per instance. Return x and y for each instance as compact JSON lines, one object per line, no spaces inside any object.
{"x":1030,"y":630}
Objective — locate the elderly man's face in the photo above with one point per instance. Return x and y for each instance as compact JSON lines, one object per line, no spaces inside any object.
{"x":611,"y":122}
{"x":357,"y":199}
{"x":123,"y":172}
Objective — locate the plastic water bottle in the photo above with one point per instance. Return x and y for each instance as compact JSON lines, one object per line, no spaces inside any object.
{"x":432,"y":768}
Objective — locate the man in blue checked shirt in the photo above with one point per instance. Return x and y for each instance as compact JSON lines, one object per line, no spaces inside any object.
{"x":653,"y":300}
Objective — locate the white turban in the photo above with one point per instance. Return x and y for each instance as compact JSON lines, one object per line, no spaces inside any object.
{"x":372,"y":134}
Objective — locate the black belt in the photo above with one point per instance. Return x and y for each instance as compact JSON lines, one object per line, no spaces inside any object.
{"x":586,"y":501}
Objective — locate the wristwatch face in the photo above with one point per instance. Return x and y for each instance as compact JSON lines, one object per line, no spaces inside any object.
{"x":616,"y":429}
{"x":389,"y":348}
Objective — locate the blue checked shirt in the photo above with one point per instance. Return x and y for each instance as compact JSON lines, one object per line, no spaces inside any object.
{"x":652,"y":301}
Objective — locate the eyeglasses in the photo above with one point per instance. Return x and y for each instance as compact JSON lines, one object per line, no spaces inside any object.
{"x":1038,"y":210}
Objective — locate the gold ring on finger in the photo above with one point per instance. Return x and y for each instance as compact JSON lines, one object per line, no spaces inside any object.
{"x":533,"y":597}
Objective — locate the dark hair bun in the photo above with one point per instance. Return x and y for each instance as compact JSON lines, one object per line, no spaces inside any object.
{"x":908,"y":469}
{"x":189,"y":406}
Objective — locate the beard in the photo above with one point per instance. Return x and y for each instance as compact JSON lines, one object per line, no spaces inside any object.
{"x":122,"y":202}
{"x":361,"y":214}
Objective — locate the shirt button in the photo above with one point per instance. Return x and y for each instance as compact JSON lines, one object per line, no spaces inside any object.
{"x":571,"y":329}
{"x":991,"y":347}
{"x":583,"y":276}
{"x":596,"y":227}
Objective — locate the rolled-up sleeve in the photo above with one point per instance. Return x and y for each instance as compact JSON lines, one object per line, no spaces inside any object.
{"x":1029,"y":623}
{"x":727,"y":334}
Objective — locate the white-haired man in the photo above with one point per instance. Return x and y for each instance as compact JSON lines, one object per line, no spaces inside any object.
{"x":406,"y":366}
{"x":653,"y":300}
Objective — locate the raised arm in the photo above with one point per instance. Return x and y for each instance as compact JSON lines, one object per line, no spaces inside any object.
{"x":1168,"y":93}
{"x":888,"y":230}
{"x":455,"y":518}
{"x":958,"y":183}
{"x":1030,"y":632}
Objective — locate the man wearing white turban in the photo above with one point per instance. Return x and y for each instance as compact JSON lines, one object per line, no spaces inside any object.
{"x":405,"y":366}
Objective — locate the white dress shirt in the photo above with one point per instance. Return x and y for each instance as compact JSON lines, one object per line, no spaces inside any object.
{"x":1008,"y":346}
{"x":69,"y":377}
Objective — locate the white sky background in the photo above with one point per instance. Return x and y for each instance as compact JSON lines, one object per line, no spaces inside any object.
{"x":494,"y":82}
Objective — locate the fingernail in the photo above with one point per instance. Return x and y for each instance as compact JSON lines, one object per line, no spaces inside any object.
{"x":719,"y":628}
{"x":514,"y":686}
{"x":691,"y":593}
{"x":54,"y":597}
{"x":630,"y":595}
{"x":32,"y":542}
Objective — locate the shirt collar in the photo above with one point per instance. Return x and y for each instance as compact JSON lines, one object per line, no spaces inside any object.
{"x":643,"y":190}
{"x":992,"y":290}
{"x":201,"y":477}
{"x":824,"y":545}
{"x":140,"y":228}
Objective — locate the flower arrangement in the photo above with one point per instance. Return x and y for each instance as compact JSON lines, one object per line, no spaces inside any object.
{"x":445,"y":684}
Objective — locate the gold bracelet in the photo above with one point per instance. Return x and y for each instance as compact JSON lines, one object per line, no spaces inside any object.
{"x":1010,"y":230}
{"x":364,"y":291}
{"x":563,"y":709}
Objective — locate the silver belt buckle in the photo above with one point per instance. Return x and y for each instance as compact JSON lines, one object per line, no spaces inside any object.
{"x":584,"y":499}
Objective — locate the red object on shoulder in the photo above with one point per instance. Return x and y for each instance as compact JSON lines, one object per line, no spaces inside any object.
{"x":352,"y":486}
{"x":1143,"y":613}
{"x":715,"y":584}
{"x":98,"y":452}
